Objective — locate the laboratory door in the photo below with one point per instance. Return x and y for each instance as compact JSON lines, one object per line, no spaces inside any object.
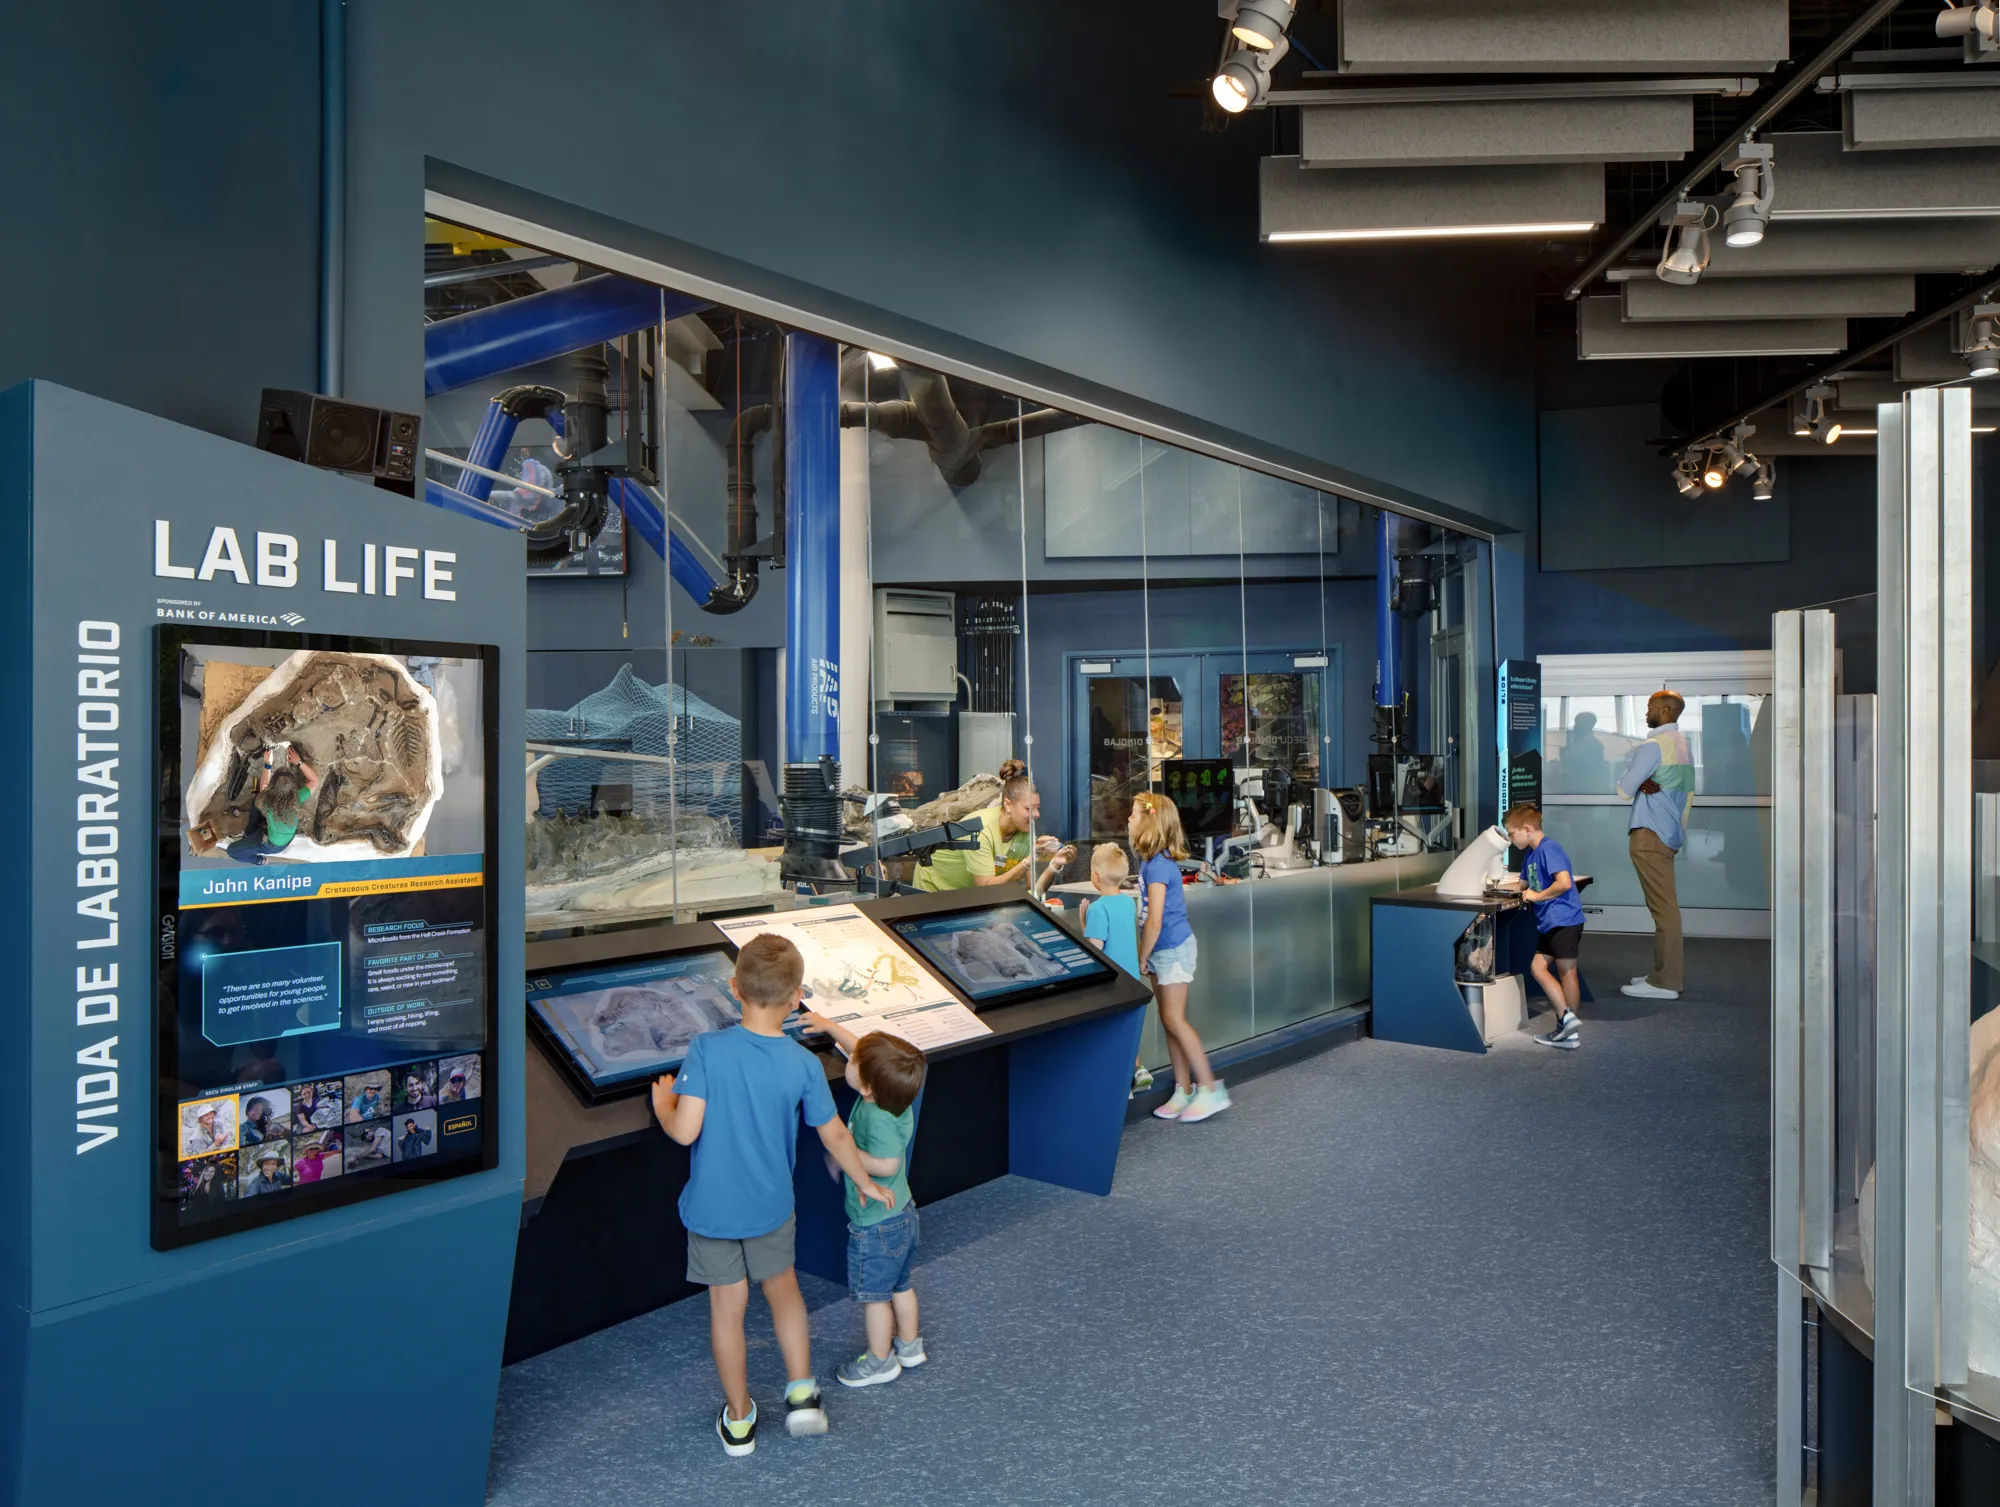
{"x":1130,"y":715}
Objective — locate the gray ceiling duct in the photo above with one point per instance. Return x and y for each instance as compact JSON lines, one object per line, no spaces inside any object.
{"x":1466,"y":133}
{"x":1806,"y":247}
{"x":1896,"y":120}
{"x":1871,"y":392}
{"x":1562,"y":36}
{"x":1772,"y":298}
{"x":1603,"y":335}
{"x":1299,"y":203}
{"x":1927,"y":357}
{"x":1822,"y":180}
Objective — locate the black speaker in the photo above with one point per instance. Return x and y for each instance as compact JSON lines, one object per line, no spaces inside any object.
{"x":337,"y":435}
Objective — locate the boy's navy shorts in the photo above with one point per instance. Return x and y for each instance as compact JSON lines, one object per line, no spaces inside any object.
{"x":1561,"y":941}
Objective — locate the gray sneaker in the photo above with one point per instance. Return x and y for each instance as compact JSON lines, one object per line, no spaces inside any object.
{"x":867,"y":1370}
{"x":912,"y":1354}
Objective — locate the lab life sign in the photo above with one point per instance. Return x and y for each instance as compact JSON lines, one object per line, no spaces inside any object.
{"x":265,"y":557}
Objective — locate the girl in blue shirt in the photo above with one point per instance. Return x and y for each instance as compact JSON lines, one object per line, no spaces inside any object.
{"x":1167,"y":951}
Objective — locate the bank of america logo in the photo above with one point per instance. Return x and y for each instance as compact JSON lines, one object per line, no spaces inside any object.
{"x":291,"y":618}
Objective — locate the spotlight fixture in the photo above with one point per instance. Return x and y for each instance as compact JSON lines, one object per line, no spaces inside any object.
{"x":1685,"y":256}
{"x":1976,"y":24}
{"x":1257,"y":23}
{"x":1713,"y":475}
{"x":1245,"y":78}
{"x":1736,"y":451}
{"x":1749,"y":211}
{"x":1687,"y":474}
{"x":1764,"y":487}
{"x":881,"y":363}
{"x":1819,"y":421}
{"x":1979,"y":339}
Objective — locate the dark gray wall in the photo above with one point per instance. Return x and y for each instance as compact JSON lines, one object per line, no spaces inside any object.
{"x":160,"y":242}
{"x":1831,"y":555}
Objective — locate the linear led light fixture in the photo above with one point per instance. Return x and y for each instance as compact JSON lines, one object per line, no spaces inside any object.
{"x":1435,"y":232}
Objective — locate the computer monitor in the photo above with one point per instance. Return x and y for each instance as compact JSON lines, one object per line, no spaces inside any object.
{"x":1204,"y":792}
{"x":1001,"y":954}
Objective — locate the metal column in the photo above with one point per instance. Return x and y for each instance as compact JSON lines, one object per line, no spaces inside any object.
{"x":1787,"y":895}
{"x":1923,"y":929}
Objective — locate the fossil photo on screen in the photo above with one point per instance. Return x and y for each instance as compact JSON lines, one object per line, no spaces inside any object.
{"x":330,"y":756}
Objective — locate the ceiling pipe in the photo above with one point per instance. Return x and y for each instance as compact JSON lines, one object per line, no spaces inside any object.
{"x":469,"y":348}
{"x":332,"y":195}
{"x":1802,"y":77}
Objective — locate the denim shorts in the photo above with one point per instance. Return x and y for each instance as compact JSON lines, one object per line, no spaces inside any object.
{"x":879,"y":1256}
{"x":1174,"y":965}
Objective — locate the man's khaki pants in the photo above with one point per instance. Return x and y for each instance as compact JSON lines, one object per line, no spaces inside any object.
{"x":1655,"y":862}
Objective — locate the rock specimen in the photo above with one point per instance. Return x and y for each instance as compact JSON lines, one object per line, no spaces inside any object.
{"x":368,"y":731}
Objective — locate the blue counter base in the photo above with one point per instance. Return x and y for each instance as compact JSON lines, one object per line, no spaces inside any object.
{"x":258,"y":1372}
{"x":1059,"y":1112}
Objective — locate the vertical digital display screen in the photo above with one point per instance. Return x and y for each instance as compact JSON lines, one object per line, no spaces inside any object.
{"x":326,"y":993}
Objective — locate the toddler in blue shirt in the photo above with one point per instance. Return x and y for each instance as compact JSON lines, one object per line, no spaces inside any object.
{"x":1111,"y":923}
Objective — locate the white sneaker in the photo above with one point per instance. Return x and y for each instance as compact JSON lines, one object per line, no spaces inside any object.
{"x":1212,"y":1100}
{"x":1173,"y":1108}
{"x":1640,"y":989}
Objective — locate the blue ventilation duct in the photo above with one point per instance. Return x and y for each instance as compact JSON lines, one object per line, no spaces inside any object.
{"x":1388,"y":646}
{"x":644,"y":517}
{"x":471,"y":347}
{"x":437,"y":494}
{"x":812,"y":548}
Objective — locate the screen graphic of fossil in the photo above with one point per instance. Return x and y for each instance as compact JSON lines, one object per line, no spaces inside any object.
{"x":332,"y":757}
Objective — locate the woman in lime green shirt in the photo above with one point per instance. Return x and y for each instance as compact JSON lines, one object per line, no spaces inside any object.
{"x":1001,"y":855}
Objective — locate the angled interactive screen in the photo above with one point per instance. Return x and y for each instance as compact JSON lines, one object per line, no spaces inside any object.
{"x":326,"y":1005}
{"x":1002,"y":953}
{"x":614,"y":1027}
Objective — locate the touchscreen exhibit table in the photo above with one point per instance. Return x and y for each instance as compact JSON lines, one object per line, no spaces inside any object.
{"x":1030,"y":1036}
{"x":1416,"y":993}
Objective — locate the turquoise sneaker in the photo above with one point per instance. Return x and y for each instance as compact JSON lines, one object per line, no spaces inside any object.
{"x":1176,"y":1106}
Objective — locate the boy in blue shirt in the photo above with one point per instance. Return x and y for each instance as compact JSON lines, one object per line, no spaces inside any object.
{"x":737,"y":1102}
{"x":1548,"y":885}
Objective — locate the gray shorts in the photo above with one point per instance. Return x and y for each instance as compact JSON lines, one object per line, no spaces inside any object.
{"x":719,"y":1263}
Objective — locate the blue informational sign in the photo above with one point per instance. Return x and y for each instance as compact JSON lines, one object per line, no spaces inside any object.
{"x":1520,"y":721}
{"x":226,"y":1029}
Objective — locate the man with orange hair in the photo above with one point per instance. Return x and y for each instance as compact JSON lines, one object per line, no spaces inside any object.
{"x":1659,"y":781}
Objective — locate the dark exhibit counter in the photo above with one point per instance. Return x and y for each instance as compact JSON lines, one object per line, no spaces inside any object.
{"x":601,"y":1241}
{"x":1417,"y":996}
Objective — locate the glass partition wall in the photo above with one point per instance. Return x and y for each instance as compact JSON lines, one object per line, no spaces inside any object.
{"x":1014,"y":583}
{"x":1886,"y":1046}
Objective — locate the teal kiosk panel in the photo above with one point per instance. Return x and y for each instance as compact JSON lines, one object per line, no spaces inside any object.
{"x":263,"y":1071}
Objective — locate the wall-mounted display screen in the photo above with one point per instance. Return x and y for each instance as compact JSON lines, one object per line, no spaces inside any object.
{"x":1204,"y":793}
{"x":614,"y":1027}
{"x":1002,"y":953}
{"x":326,"y":1004}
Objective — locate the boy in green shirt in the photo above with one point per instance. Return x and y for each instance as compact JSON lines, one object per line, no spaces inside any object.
{"x":886,"y":1073}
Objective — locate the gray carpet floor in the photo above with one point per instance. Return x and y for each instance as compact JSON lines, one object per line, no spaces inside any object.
{"x":1388,"y":1275}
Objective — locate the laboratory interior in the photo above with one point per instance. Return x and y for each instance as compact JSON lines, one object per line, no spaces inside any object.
{"x":1361,"y":625}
